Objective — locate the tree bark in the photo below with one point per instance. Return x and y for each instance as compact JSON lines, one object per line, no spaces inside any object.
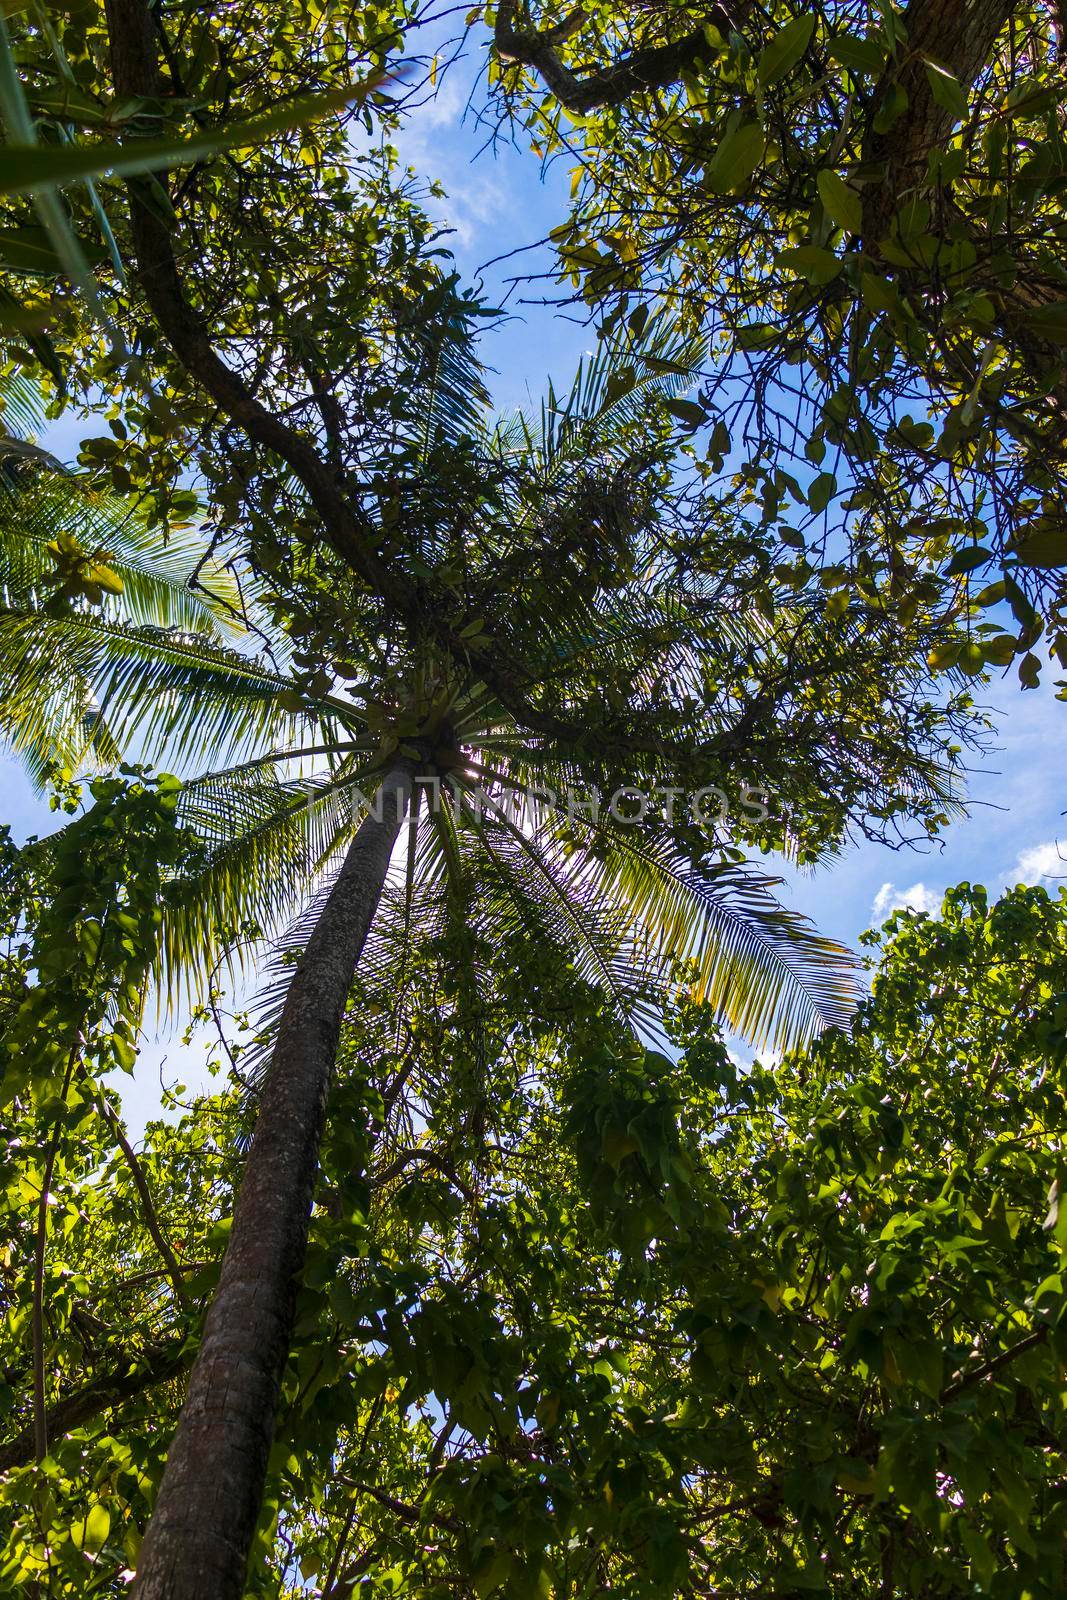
{"x":640,"y":72}
{"x":958,"y":36}
{"x":197,"y":1543}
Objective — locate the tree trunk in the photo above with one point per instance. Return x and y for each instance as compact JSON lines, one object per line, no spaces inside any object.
{"x":197,"y":1543}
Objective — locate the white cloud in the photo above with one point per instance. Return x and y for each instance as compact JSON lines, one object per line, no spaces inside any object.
{"x":437,"y":143}
{"x":1047,"y":860}
{"x":918,"y":898}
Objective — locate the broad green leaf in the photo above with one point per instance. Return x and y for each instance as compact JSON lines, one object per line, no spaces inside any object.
{"x":781,"y":55}
{"x":943,"y":655}
{"x":971,"y":658}
{"x":879,"y":295}
{"x":736,"y":158}
{"x":947,"y":91}
{"x":1000,"y":651}
{"x":687,"y":411}
{"x":1046,"y":547}
{"x":859,"y":55}
{"x":975,"y":555}
{"x":841,"y":204}
{"x":810,"y":261}
{"x":822,"y":491}
{"x":90,"y":1534}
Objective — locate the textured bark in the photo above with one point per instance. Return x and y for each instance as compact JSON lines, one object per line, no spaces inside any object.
{"x":198,"y":1540}
{"x":959,"y":37}
{"x":653,"y":67}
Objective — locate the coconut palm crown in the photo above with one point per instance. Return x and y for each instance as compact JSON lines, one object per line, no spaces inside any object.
{"x":618,"y":668}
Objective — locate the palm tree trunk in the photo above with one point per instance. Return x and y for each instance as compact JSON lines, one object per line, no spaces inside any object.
{"x":197,"y":1543}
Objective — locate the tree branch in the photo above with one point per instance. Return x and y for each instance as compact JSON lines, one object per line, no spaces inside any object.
{"x":135,"y":73}
{"x":432,"y":1158}
{"x":148,"y":1209}
{"x":967,"y":1380}
{"x":122,"y":1383}
{"x":652,"y":67}
{"x":400,"y":1508}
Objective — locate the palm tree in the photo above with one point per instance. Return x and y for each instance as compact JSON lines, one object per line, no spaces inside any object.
{"x":606,"y":658}
{"x":75,"y":566}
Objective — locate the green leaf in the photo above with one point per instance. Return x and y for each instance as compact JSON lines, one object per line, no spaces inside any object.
{"x":1022,"y":610}
{"x":30,"y":321}
{"x":859,"y":55}
{"x":822,"y":490}
{"x":1030,"y":671}
{"x":841,"y":204}
{"x":106,"y":577}
{"x":971,"y":658}
{"x":946,"y":91}
{"x":755,"y":335}
{"x":966,"y":560}
{"x":811,"y":262}
{"x":783,"y":52}
{"x":736,"y":158}
{"x":29,"y":169}
{"x":943,"y":655}
{"x":1046,"y":547}
{"x":91,"y":1533}
{"x":879,"y":295}
{"x":687,"y":411}
{"x":1000,"y":651}
{"x":124,"y":1052}
{"x":617,"y":1145}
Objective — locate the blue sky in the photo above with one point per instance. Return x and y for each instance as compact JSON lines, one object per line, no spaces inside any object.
{"x":496,"y":201}
{"x":499,"y":201}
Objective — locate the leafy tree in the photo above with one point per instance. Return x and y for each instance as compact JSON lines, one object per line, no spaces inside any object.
{"x":657,"y":1323}
{"x":285,"y":415}
{"x":689,"y":1328}
{"x":78,"y":567}
{"x":864,"y":207}
{"x":92,"y":919}
{"x":106,"y":1250}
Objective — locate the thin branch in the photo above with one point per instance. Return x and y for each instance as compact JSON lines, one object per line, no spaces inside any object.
{"x":967,"y":1380}
{"x":40,"y":1414}
{"x":151,"y":1216}
{"x":133,"y":42}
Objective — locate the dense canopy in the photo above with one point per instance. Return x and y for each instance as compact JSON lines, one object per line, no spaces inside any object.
{"x":470,"y":743}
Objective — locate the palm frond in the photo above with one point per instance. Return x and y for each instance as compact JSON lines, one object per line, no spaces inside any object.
{"x":764,"y":969}
{"x":162,"y":694}
{"x":267,"y":843}
{"x":21,"y":406}
{"x":617,"y":385}
{"x":449,"y":395}
{"x":37,"y":508}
